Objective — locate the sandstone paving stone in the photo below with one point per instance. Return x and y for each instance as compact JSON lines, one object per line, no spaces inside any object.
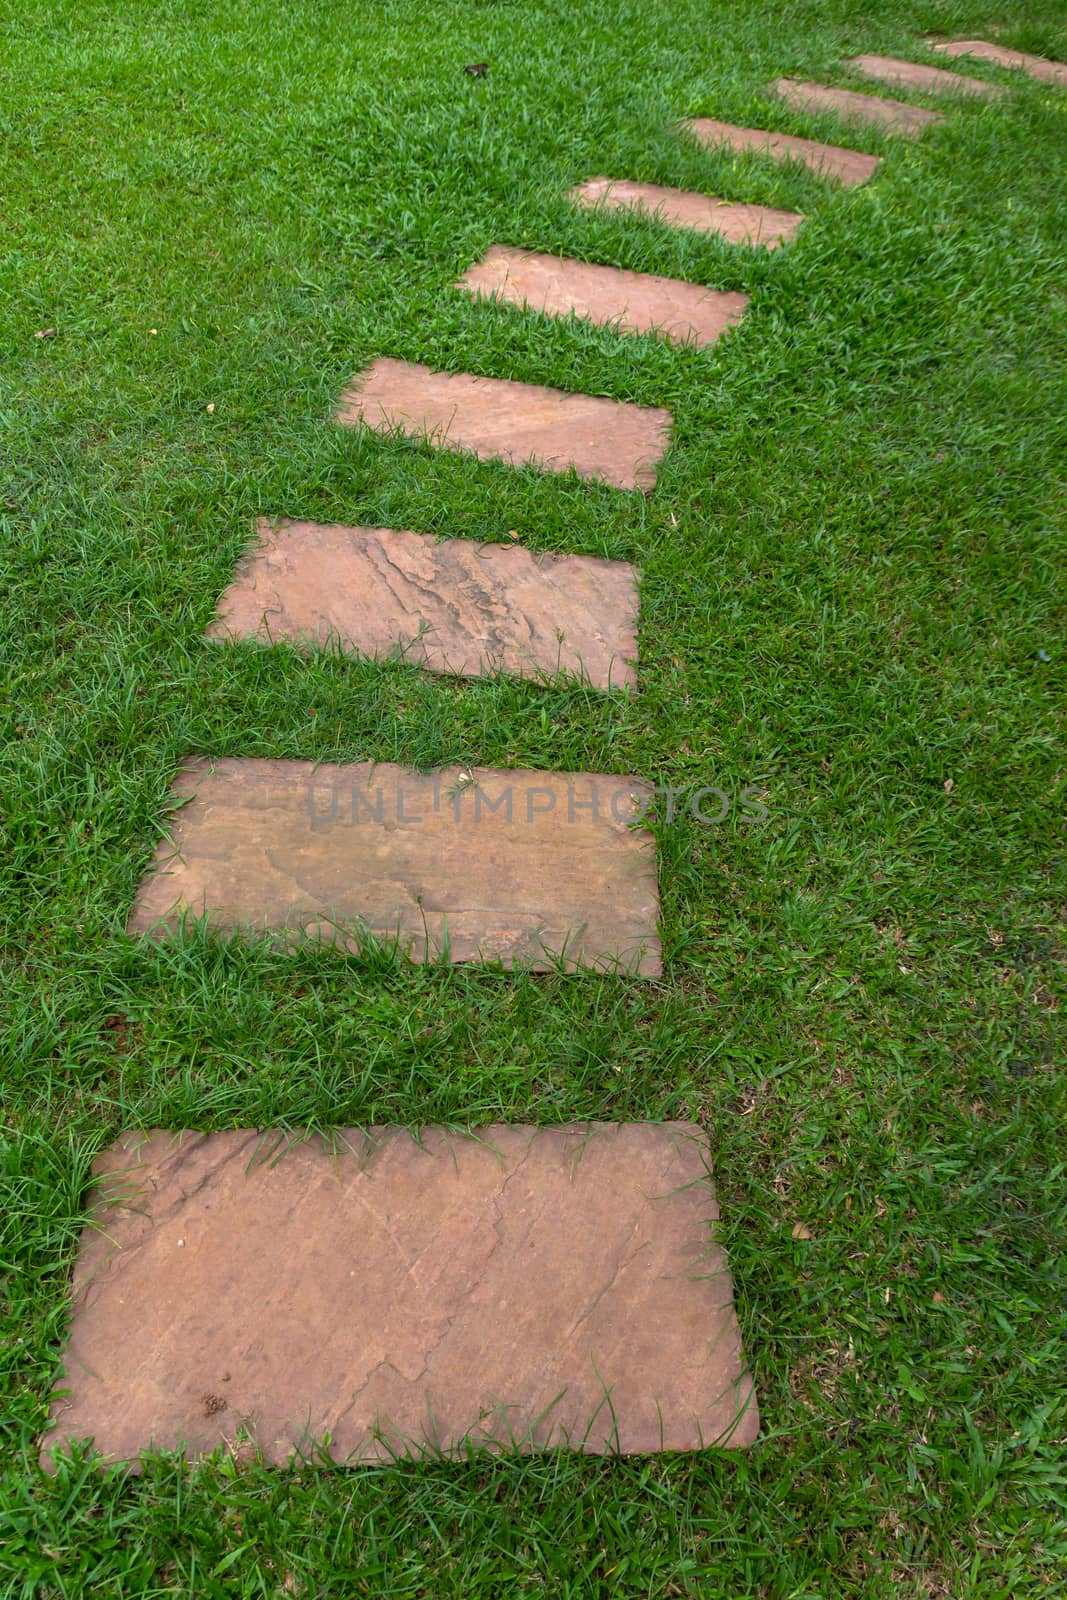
{"x":523,"y":424}
{"x":451,"y":605}
{"x":1045,"y":71}
{"x":926,"y":80}
{"x":892,"y":116}
{"x":531,"y":869}
{"x":682,"y":208}
{"x":847,"y":167}
{"x":516,"y":1288}
{"x":634,"y":302}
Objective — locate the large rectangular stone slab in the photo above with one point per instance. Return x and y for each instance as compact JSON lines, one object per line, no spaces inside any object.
{"x":1036,"y":66}
{"x":451,"y":605}
{"x":514,"y":1288}
{"x":682,"y":208}
{"x":633,"y":302}
{"x":847,"y":167}
{"x":523,"y":424}
{"x":925,"y":80}
{"x":532,"y":869}
{"x":892,"y":116}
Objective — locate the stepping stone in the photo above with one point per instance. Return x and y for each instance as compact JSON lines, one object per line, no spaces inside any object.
{"x":520,"y":423}
{"x":634,"y":302}
{"x":515,"y":1289}
{"x":680,"y":208}
{"x":848,"y":167}
{"x":927,"y":80}
{"x":1036,"y":66}
{"x":892,"y":116}
{"x":451,"y":605}
{"x":532,"y":869}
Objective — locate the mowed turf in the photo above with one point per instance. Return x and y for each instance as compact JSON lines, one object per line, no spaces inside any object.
{"x":851,"y":566}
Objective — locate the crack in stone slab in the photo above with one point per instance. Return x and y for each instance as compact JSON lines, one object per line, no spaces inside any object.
{"x":548,"y":1274}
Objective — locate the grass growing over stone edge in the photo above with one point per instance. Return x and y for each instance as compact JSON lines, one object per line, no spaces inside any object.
{"x":850,"y":591}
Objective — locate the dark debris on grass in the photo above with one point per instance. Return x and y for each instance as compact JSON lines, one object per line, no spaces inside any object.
{"x":852,"y":598}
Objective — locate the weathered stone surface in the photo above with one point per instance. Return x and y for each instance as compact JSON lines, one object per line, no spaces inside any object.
{"x":892,"y":116}
{"x":521,"y":423}
{"x":466,"y":864}
{"x":635,"y":302}
{"x":927,"y":80}
{"x":451,"y":605}
{"x":517,"y":1288}
{"x":681,"y":208}
{"x":847,"y":167}
{"x":1036,"y":66}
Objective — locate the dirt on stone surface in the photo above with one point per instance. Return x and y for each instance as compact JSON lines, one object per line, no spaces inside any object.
{"x":524,"y":424}
{"x":532,"y":869}
{"x":632,"y":302}
{"x":456,"y":606}
{"x":410,"y":1295}
{"x":736,"y":222}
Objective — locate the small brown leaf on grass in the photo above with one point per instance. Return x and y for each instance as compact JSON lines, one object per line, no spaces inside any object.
{"x":800,"y":1231}
{"x":513,"y":533}
{"x":121,"y":1032}
{"x":45,"y":333}
{"x":938,"y":1298}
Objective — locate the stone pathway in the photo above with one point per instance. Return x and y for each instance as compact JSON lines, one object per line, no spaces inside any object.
{"x":450,"y":605}
{"x":847,"y":167}
{"x":679,"y":208}
{"x":927,"y":80}
{"x":1054,"y":72}
{"x":520,"y":423}
{"x":892,"y":116}
{"x":523,"y":1288}
{"x":532,"y":869}
{"x":632,"y":302}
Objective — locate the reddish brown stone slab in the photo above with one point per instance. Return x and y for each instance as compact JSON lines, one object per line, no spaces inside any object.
{"x":1018,"y":60}
{"x":450,"y":605}
{"x":925,"y":80}
{"x":847,"y":167}
{"x":892,"y":116}
{"x":515,"y":1288}
{"x":521,"y":423}
{"x":532,"y":869}
{"x":681,"y":208}
{"x":634,"y":302}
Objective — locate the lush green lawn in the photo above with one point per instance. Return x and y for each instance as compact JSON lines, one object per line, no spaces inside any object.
{"x":851,"y":564}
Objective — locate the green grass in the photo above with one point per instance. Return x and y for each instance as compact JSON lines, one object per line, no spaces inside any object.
{"x":851,"y":562}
